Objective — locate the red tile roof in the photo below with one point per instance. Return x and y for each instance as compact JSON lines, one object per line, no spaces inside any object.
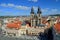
{"x":14,"y":25}
{"x":57,"y":27}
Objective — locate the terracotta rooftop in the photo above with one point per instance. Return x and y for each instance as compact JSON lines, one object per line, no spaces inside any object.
{"x":14,"y":25}
{"x":57,"y":27}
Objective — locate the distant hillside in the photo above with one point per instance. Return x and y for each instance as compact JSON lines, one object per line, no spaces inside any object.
{"x":55,"y":15}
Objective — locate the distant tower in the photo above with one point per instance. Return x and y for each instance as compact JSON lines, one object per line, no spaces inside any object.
{"x":39,"y":16}
{"x":32,"y":16}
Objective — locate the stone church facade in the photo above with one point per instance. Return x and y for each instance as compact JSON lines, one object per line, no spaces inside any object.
{"x":35,"y":17}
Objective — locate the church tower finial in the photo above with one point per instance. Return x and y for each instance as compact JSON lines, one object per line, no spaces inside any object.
{"x":39,"y":10}
{"x":32,"y":10}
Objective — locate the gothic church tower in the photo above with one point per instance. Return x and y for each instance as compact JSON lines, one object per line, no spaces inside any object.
{"x":35,"y":18}
{"x":39,"y":16}
{"x":32,"y":15}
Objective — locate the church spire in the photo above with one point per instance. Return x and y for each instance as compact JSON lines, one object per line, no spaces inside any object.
{"x":32,"y":10}
{"x":39,"y":10}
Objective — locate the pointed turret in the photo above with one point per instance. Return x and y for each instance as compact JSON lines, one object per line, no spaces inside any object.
{"x":32,"y":10}
{"x":39,"y":10}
